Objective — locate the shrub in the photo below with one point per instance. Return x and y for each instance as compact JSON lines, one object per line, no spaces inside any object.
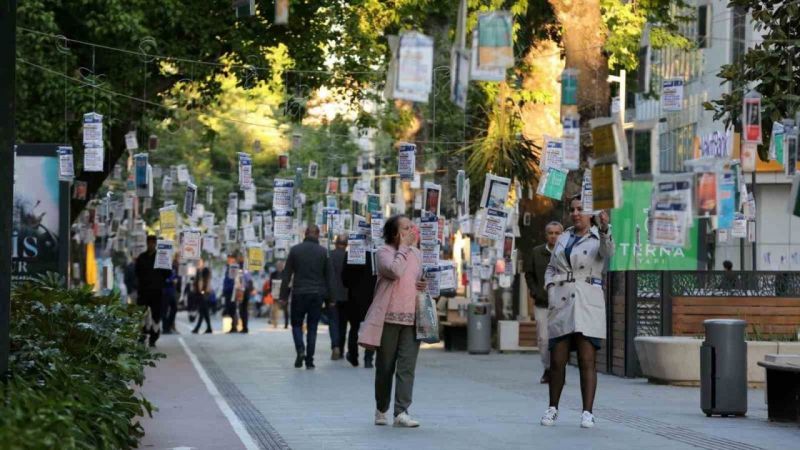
{"x":75,"y":359}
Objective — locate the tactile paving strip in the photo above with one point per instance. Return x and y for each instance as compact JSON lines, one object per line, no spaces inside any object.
{"x":256,"y":424}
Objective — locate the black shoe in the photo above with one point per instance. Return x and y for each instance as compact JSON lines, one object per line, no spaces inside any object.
{"x":298,"y":362}
{"x":244,"y":331}
{"x":208,"y":331}
{"x":352,"y":359}
{"x":232,"y":331}
{"x":194,"y":331}
{"x":152,"y":345}
{"x":368,"y":364}
{"x":310,"y":365}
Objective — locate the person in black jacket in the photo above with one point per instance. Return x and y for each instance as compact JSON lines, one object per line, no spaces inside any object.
{"x":359,"y":279}
{"x":309,"y":272}
{"x":151,"y":283}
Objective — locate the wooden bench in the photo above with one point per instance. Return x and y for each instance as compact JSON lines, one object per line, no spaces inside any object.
{"x":783,"y":391}
{"x":765,"y":316}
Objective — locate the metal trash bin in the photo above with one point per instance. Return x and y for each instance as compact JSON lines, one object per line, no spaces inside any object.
{"x":723,"y":368}
{"x":479,"y":329}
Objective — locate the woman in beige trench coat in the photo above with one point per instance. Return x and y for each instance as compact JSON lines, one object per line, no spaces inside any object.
{"x":577,"y":307}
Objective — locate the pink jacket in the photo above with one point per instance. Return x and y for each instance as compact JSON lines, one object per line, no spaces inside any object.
{"x":392,"y":264}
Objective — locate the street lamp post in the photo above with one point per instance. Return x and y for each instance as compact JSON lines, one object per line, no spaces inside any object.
{"x":8,"y":12}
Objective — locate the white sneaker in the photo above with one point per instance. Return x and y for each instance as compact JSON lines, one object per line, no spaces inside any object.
{"x":587,"y":420}
{"x":405,"y":421}
{"x":549,"y":417}
{"x":380,"y":418}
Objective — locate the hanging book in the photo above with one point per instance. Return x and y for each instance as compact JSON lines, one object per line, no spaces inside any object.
{"x":751,"y":118}
{"x":569,"y":87}
{"x":495,"y":40}
{"x":608,"y":140}
{"x":553,"y":183}
{"x":414,"y":67}
{"x":478,"y":73}
{"x":606,"y":187}
{"x":495,"y":191}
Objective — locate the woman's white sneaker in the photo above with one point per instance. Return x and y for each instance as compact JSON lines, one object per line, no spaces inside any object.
{"x":403,"y":420}
{"x":380,"y":418}
{"x":550,"y":416}
{"x":587,"y":420}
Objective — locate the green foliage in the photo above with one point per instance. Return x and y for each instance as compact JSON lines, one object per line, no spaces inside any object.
{"x":770,"y":67}
{"x":74,"y":361}
{"x":626,"y":22}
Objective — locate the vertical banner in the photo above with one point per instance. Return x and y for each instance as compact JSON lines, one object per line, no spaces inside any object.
{"x":406,"y":161}
{"x":41,"y":219}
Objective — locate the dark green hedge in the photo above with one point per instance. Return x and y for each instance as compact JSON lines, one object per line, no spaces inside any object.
{"x":74,"y":363}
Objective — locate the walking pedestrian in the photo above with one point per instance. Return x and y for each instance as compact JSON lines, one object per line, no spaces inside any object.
{"x":170,"y":297}
{"x":577,"y":310}
{"x":275,"y":286}
{"x":389,"y":325}
{"x":228,"y":280}
{"x":243,"y":290}
{"x":130,"y":280}
{"x":338,"y":315}
{"x":201,"y":290}
{"x":150,"y":283}
{"x":534,"y":276}
{"x":359,"y":279}
{"x":308,"y":269}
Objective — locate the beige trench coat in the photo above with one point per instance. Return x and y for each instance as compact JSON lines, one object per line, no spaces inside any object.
{"x":575,"y":291}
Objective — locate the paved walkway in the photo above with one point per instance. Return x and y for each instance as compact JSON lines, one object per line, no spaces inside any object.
{"x":463,"y":401}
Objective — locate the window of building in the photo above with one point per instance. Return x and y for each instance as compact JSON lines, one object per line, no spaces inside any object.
{"x":675,"y":147}
{"x":703,"y":22}
{"x":738,"y":30}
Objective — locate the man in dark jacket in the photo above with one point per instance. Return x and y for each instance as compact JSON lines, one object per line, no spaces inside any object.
{"x":308,"y":269}
{"x":534,"y":276}
{"x":151,"y":283}
{"x":337,"y":312}
{"x":359,"y":280}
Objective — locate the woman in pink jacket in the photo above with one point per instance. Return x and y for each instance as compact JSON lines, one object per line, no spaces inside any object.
{"x":389,"y":325}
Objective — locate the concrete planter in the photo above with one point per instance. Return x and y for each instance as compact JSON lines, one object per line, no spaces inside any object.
{"x":676,"y":360}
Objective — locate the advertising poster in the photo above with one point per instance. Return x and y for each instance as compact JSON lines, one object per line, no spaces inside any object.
{"x":406,"y":161}
{"x":282,"y":194}
{"x":41,"y":220}
{"x":672,"y":94}
{"x":632,"y":216}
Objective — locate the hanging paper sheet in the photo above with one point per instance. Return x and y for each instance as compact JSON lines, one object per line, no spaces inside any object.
{"x":245,"y":171}
{"x":168,"y":221}
{"x":165,"y":253}
{"x":553,"y":153}
{"x":357,"y":249}
{"x":495,"y":191}
{"x":189,"y":199}
{"x":191,"y":241}
{"x":140,"y":174}
{"x":429,"y":230}
{"x":255,"y":257}
{"x":569,"y":87}
{"x":571,"y":136}
{"x":587,"y":202}
{"x":739,"y":229}
{"x":493,"y":225}
{"x":433,"y":198}
{"x":66,"y":164}
{"x":432,"y":277}
{"x":283,"y":224}
{"x":430,"y":255}
{"x":406,"y":161}
{"x":553,"y":183}
{"x":606,"y":187}
{"x":282,"y":194}
{"x":478,"y":73}
{"x":131,"y":143}
{"x":495,"y":40}
{"x":672,"y":94}
{"x":414,"y":67}
{"x":751,"y":118}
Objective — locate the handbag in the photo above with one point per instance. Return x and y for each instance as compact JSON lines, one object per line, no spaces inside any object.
{"x":427,"y":319}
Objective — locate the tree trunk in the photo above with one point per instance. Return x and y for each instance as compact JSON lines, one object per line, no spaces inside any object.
{"x":583,"y":37}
